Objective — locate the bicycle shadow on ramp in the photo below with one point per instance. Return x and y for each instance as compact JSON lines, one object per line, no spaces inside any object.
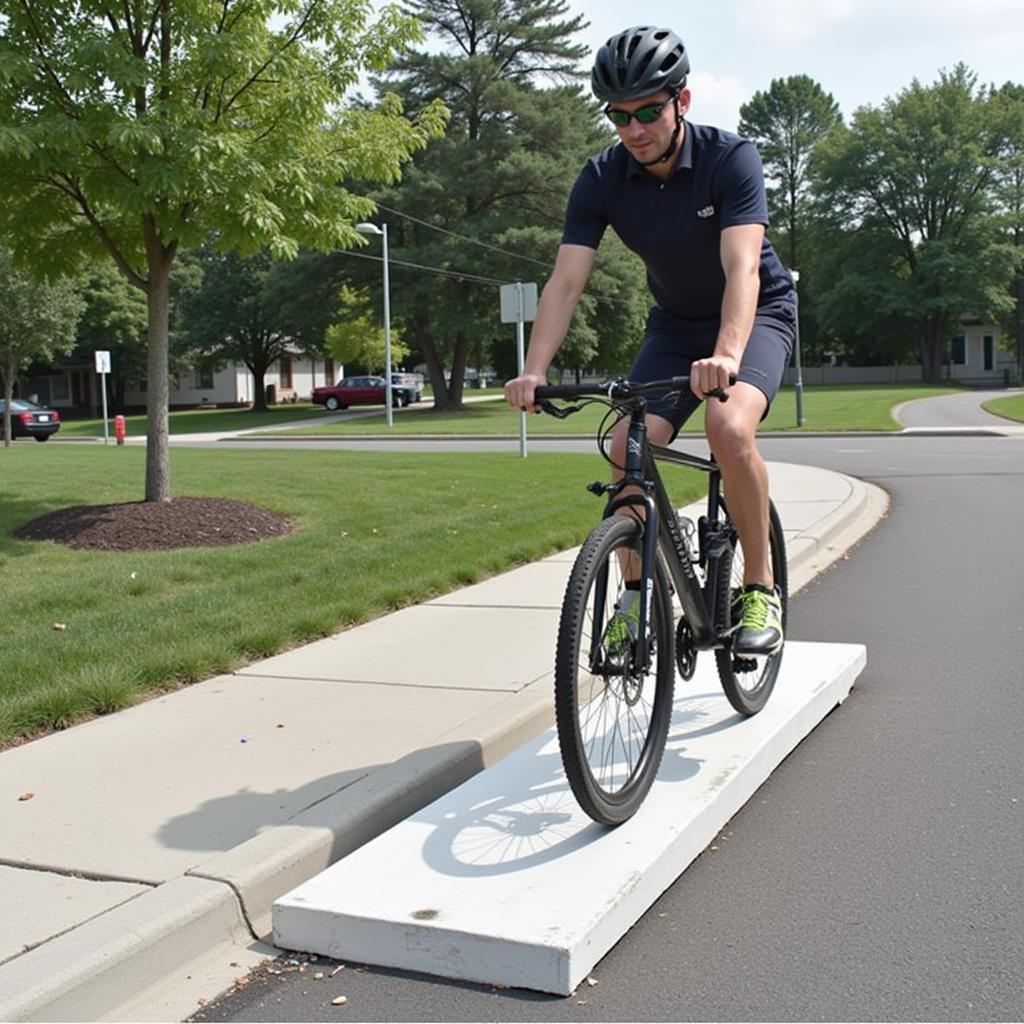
{"x":521,"y":813}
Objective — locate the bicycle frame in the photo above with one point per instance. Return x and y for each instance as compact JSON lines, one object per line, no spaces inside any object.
{"x":662,"y":529}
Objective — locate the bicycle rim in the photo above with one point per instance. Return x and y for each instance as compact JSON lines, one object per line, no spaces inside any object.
{"x":612,"y":717}
{"x":748,"y":682}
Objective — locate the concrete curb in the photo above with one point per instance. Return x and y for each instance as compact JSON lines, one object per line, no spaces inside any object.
{"x":274,"y":862}
{"x":837,"y":533}
{"x":88,"y":972}
{"x":98,"y":969}
{"x":94,"y":971}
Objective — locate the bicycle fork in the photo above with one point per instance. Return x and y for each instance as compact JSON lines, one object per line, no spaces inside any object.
{"x":636,"y":458}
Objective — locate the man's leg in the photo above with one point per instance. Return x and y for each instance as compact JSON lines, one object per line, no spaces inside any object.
{"x":659,"y":431}
{"x":731,"y":432}
{"x":624,"y":624}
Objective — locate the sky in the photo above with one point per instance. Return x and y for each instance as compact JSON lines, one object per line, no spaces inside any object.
{"x":860,"y":51}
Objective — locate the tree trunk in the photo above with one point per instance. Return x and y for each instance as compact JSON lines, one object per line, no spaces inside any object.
{"x":435,"y":365}
{"x":435,"y":370}
{"x":5,"y":426}
{"x":1018,"y":325}
{"x":933,"y":350}
{"x":259,"y":383}
{"x":458,"y":379}
{"x":158,"y":468}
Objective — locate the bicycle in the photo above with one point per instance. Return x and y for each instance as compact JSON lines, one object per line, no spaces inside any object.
{"x":613,"y":699}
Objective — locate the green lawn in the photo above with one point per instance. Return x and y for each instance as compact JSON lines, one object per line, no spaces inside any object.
{"x":197,"y":421}
{"x":1011,"y":407}
{"x":845,"y":407}
{"x":373,"y":532}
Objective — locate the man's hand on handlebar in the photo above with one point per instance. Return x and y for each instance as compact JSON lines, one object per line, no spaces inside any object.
{"x":712,"y":374}
{"x":519,"y":391}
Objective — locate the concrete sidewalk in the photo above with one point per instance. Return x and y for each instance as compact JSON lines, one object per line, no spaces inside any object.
{"x":140,"y":853}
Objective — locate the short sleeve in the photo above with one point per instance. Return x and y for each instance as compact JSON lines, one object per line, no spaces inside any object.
{"x":741,"y":187}
{"x":586,"y":213}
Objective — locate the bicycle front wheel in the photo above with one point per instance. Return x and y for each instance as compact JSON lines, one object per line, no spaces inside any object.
{"x":748,"y":682}
{"x":612,"y":715}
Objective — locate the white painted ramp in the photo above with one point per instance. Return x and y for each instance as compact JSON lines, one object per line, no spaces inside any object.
{"x":505,"y":881}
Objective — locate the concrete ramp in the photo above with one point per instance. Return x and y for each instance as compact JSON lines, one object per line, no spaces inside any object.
{"x":505,"y":881}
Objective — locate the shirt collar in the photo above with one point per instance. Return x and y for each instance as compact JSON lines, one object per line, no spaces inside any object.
{"x":684,"y":158}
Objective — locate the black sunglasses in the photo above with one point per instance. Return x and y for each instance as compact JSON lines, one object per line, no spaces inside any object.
{"x":645,"y":115}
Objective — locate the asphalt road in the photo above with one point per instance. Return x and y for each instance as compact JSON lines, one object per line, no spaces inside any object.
{"x":963,"y":410}
{"x":877,"y":875}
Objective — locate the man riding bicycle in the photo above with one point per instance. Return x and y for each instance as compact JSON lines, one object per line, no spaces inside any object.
{"x":690,"y":201}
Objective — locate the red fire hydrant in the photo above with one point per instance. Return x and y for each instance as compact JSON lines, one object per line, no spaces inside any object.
{"x":119,"y":429}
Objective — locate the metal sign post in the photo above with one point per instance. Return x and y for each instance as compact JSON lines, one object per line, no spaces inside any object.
{"x":519,"y":304}
{"x":103,"y":368}
{"x":798,"y":355}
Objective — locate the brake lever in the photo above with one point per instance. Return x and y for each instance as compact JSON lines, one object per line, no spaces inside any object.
{"x":719,"y":393}
{"x":559,"y":412}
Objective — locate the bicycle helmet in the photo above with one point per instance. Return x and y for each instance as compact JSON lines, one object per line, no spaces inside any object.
{"x":637,"y":62}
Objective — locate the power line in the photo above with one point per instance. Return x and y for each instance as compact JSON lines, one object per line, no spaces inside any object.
{"x":475,"y":241}
{"x":459,"y":275}
{"x":467,"y":238}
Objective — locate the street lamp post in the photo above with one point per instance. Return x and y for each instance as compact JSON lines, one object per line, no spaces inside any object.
{"x":799,"y":385}
{"x":373,"y":229}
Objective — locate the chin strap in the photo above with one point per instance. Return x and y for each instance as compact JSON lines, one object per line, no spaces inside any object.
{"x":667,"y":155}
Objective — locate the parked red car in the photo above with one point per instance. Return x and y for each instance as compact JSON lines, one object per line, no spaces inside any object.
{"x":30,"y":420}
{"x":357,"y":391}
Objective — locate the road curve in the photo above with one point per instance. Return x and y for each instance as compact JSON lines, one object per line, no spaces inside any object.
{"x":963,"y":410}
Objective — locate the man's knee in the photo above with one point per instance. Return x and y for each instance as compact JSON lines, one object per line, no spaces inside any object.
{"x":731,"y":426}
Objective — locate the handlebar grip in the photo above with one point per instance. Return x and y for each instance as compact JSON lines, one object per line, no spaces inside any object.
{"x":548,"y":391}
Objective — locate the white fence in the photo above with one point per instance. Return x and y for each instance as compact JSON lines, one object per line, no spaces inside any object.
{"x":910,"y":374}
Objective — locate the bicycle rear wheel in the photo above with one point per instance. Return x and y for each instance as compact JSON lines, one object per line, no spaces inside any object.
{"x":748,"y":682}
{"x":612,"y":717}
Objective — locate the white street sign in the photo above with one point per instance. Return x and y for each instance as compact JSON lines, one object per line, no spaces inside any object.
{"x":103,"y":362}
{"x":518,"y":302}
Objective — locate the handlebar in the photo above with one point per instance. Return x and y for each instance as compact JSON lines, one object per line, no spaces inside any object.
{"x":620,"y":389}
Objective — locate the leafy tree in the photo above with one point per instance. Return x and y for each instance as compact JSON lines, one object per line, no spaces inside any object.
{"x":37,"y":322}
{"x":230,"y":320}
{"x":305,"y":292}
{"x":139,"y":130}
{"x":507,"y":163}
{"x":358,"y":334}
{"x":786,"y":123}
{"x":861,"y":312}
{"x":114,"y":319}
{"x":918,"y":172}
{"x":1010,"y":203}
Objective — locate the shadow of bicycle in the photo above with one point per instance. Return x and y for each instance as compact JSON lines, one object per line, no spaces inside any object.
{"x":521,"y":813}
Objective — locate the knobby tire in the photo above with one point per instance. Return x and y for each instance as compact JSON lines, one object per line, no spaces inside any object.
{"x":612,"y":727}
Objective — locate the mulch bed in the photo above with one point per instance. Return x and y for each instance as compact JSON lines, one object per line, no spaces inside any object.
{"x":155,"y":526}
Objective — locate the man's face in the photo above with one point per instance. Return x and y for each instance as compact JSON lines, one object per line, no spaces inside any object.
{"x":648,"y":141}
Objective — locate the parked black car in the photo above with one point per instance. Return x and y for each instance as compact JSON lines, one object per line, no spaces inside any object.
{"x":30,"y":420}
{"x":408,"y":385}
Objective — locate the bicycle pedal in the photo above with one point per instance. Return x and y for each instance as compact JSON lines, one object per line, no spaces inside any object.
{"x":744,"y":665}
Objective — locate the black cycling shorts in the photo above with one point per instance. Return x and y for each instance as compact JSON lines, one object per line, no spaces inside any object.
{"x":671,"y":345}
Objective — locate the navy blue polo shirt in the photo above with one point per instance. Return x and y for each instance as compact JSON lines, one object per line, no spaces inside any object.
{"x":675,"y":225}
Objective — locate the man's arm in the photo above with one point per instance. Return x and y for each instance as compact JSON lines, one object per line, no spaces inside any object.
{"x":740,"y":250}
{"x":557,"y":304}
